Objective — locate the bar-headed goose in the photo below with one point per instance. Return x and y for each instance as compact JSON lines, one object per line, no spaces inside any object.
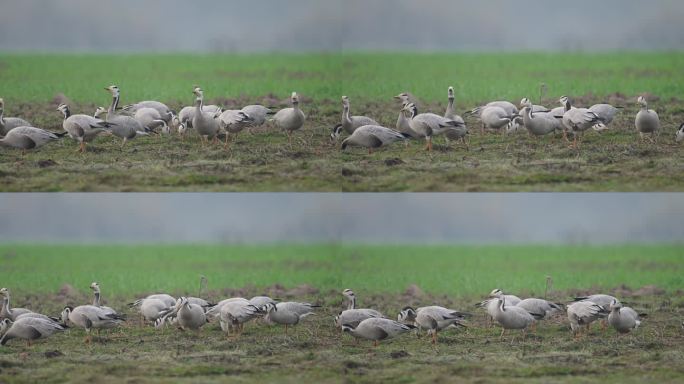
{"x":623,"y":319}
{"x":540,"y":306}
{"x":493,"y":117}
{"x":82,"y":128}
{"x":29,"y":329}
{"x":7,"y":312}
{"x":605,"y":112}
{"x":433,"y":318}
{"x":290,"y":119}
{"x":235,"y":314}
{"x":97,"y":296}
{"x":27,"y":138}
{"x":429,"y":124}
{"x":601,"y":299}
{"x":89,"y":317}
{"x":186,"y":114}
{"x":289,"y":313}
{"x":150,"y":118}
{"x":258,"y":114}
{"x":461,"y":132}
{"x":7,"y":123}
{"x":513,"y":317}
{"x":352,"y":315}
{"x":577,"y":120}
{"x":262,"y":301}
{"x":376,"y":329}
{"x":372,"y":136}
{"x":510,"y":299}
{"x":540,"y":123}
{"x":647,"y":120}
{"x":583,"y":313}
{"x":351,"y":123}
{"x":679,"y":136}
{"x":403,"y":125}
{"x":124,"y":127}
{"x":234,"y":121}
{"x":205,"y":123}
{"x":165,"y":113}
{"x":189,"y":315}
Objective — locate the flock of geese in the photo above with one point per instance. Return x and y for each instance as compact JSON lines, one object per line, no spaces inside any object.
{"x":211,"y":121}
{"x":192,"y":313}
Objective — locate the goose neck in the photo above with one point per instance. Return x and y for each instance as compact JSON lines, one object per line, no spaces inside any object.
{"x":352,"y":303}
{"x":66,"y":113}
{"x":96,"y":300}
{"x":114,"y":105}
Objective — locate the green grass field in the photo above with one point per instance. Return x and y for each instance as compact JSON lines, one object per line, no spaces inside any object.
{"x":452,"y":276}
{"x":261,"y":160}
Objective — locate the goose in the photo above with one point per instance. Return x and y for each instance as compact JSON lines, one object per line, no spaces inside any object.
{"x":234,"y":314}
{"x":215,"y":311}
{"x":623,"y":319}
{"x":100,"y":113}
{"x":428,"y":124}
{"x":290,"y":119}
{"x":258,"y":114}
{"x":513,"y":317}
{"x":36,"y":316}
{"x":89,"y":317}
{"x":96,"y":298}
{"x":647,"y":120}
{"x":577,"y":120}
{"x":204,"y":122}
{"x":601,"y":299}
{"x":583,"y":313}
{"x":153,"y":309}
{"x":289,"y":312}
{"x":605,"y":112}
{"x":234,"y":121}
{"x":7,"y":311}
{"x":679,"y":136}
{"x":29,"y":329}
{"x":7,"y":123}
{"x":165,"y":113}
{"x":433,"y":318}
{"x":352,"y":315}
{"x":28,"y":138}
{"x":535,"y":108}
{"x":491,"y":304}
{"x":125,"y":127}
{"x":539,"y":124}
{"x":201,"y":302}
{"x":372,"y":136}
{"x":262,"y":301}
{"x":189,"y":315}
{"x":82,"y":128}
{"x":510,"y":299}
{"x":167,"y":299}
{"x":377,"y":329}
{"x":493,"y":117}
{"x":150,"y":118}
{"x":351,"y":123}
{"x":403,"y":125}
{"x":186,"y":114}
{"x":543,"y":307}
{"x":461,"y":132}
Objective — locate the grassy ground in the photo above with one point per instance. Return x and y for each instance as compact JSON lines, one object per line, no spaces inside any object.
{"x":262,"y":160}
{"x":451,"y":276}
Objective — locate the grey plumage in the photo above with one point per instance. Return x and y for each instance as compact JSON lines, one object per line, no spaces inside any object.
{"x":433,"y":318}
{"x":540,"y":306}
{"x":89,"y":317}
{"x":186,"y":114}
{"x":583,"y":313}
{"x":289,"y":313}
{"x":352,"y":315}
{"x":8,"y":123}
{"x":623,"y":319}
{"x":27,"y":138}
{"x":124,"y":127}
{"x":376,"y":329}
{"x":679,"y":136}
{"x":513,"y":317}
{"x":29,"y":329}
{"x":647,"y":120}
{"x":258,"y":114}
{"x":459,"y":132}
{"x":7,"y":312}
{"x":165,"y":113}
{"x":351,"y":123}
{"x":372,"y":136}
{"x":204,"y":122}
{"x":605,"y":112}
{"x":189,"y":315}
{"x":429,"y":124}
{"x":82,"y":128}
{"x":290,"y":119}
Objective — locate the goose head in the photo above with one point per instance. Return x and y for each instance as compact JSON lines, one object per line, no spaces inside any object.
{"x":294,"y":98}
{"x":4,"y":325}
{"x":345,"y":101}
{"x":336,"y":132}
{"x":496,"y":292}
{"x":404,"y":97}
{"x":348,"y":293}
{"x":564,"y":100}
{"x":407,"y":314}
{"x":99,"y":112}
{"x":347,"y":328}
{"x":95,"y":287}
{"x":615,"y":305}
{"x":4,"y":292}
{"x":411,"y":109}
{"x":197,"y":91}
{"x":63,"y":108}
{"x":525,"y":102}
{"x":114,"y":90}
{"x":642,"y":101}
{"x":450,"y":93}
{"x":243,"y":117}
{"x":680,"y":134}
{"x":270,"y":307}
{"x":66,"y":312}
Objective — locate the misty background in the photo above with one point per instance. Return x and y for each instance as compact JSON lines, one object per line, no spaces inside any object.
{"x":558,"y":218}
{"x":329,"y":25}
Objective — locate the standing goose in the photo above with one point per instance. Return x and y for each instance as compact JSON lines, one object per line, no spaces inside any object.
{"x":27,"y":138}
{"x":577,"y":120}
{"x":543,"y":307}
{"x":623,"y":319}
{"x":605,"y":112}
{"x":96,"y":298}
{"x":538,"y":124}
{"x":351,"y":123}
{"x":89,"y":317}
{"x":165,"y":113}
{"x":428,"y":124}
{"x":601,"y":299}
{"x":290,"y":119}
{"x":204,"y":122}
{"x":234,"y":314}
{"x":461,"y":132}
{"x":7,"y":123}
{"x":150,"y":118}
{"x":679,"y":136}
{"x":583,"y":313}
{"x":29,"y":329}
{"x":403,"y":125}
{"x":152,"y":309}
{"x":433,"y":318}
{"x":234,"y":121}
{"x":289,"y":312}
{"x":371,"y":136}
{"x":647,"y":120}
{"x":186,"y":114}
{"x":513,"y":317}
{"x":492,"y":117}
{"x":188,"y":315}
{"x":257,"y":113}
{"x":82,"y":128}
{"x":352,"y":315}
{"x":125,"y":127}
{"x":7,"y":311}
{"x":377,"y":329}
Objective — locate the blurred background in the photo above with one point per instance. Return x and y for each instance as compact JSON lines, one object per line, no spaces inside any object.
{"x":550,"y":218}
{"x":314,"y":25}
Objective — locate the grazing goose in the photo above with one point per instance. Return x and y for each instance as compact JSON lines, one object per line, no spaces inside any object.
{"x":647,"y":120}
{"x":289,"y":312}
{"x":7,"y":123}
{"x":493,"y":117}
{"x":96,"y":298}
{"x":433,"y":318}
{"x":540,"y":306}
{"x":150,"y":118}
{"x":7,"y":311}
{"x":679,"y":136}
{"x":371,"y":136}
{"x":167,"y":299}
{"x":577,"y":120}
{"x":352,"y":315}
{"x":165,"y":113}
{"x":204,"y":122}
{"x":583,"y":313}
{"x":461,"y":132}
{"x":539,"y":124}
{"x":189,"y":315}
{"x":623,"y":319}
{"x":234,"y":121}
{"x":377,"y":329}
{"x":605,"y":112}
{"x":89,"y":317}
{"x":28,"y":138}
{"x":513,"y":317}
{"x":37,"y":316}
{"x":82,"y":128}
{"x":351,"y":123}
{"x":152,"y":309}
{"x":290,"y":119}
{"x":234,"y":314}
{"x":215,"y":311}
{"x":29,"y":329}
{"x":125,"y":127}
{"x":603,"y":300}
{"x":186,"y":114}
{"x":428,"y":124}
{"x":257,"y":113}
{"x":262,"y":301}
